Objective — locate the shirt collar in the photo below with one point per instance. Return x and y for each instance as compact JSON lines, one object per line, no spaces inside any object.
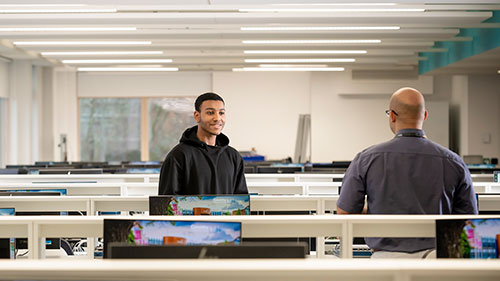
{"x":410,"y":133}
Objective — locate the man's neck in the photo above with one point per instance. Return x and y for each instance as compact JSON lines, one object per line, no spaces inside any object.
{"x":206,"y":138}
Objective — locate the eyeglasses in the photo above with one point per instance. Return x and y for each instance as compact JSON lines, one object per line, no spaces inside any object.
{"x":388,"y":112}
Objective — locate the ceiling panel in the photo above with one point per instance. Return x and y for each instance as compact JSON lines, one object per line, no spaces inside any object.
{"x":207,"y":35}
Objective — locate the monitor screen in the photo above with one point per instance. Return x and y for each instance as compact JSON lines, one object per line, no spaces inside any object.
{"x":7,"y":211}
{"x":7,"y":245}
{"x":33,"y":192}
{"x":468,"y":238}
{"x":244,"y":251}
{"x":167,"y":232}
{"x":208,"y":205}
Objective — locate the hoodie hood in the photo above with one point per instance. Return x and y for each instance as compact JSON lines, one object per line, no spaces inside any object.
{"x":189,"y":137}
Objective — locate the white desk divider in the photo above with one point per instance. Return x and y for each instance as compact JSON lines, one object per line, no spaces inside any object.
{"x":252,"y":269}
{"x":89,"y":189}
{"x":81,"y":178}
{"x":343,"y":226}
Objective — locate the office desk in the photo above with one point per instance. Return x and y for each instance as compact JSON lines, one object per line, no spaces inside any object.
{"x":251,"y":270}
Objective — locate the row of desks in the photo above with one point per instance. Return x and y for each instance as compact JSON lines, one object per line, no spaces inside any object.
{"x":343,"y":226}
{"x":261,"y":188}
{"x":94,"y":204}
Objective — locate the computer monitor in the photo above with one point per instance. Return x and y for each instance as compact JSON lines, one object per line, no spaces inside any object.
{"x":278,"y":170}
{"x":58,"y":171}
{"x":472,"y":238}
{"x":169,"y":232}
{"x":258,"y":251}
{"x":211,"y":205}
{"x":7,"y":245}
{"x":143,"y":170}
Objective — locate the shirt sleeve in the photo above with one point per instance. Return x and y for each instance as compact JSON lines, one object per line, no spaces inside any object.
{"x":170,"y":176}
{"x":353,"y":190}
{"x":464,"y":199}
{"x":240,"y":186}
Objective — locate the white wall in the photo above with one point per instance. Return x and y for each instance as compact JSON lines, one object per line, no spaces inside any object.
{"x":344,"y":124}
{"x":263,"y":109}
{"x":484,"y":116}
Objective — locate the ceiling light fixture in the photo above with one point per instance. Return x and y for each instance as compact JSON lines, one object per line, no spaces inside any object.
{"x":289,"y":69}
{"x":55,"y":11}
{"x":335,"y":10}
{"x":311,"y":41}
{"x":305,"y":51}
{"x":292,"y":65}
{"x":42,"y":5}
{"x":128,"y":69}
{"x":318,"y":28}
{"x":37,"y":29}
{"x":297,"y":60}
{"x":118,"y":61}
{"x":36,"y":43}
{"x":336,"y":4}
{"x":102,"y":53}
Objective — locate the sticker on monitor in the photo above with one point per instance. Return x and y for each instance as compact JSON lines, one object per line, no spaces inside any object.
{"x":207,"y":205}
{"x":468,"y":238}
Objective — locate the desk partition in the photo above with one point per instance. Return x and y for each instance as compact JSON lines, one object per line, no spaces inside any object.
{"x":343,"y":226}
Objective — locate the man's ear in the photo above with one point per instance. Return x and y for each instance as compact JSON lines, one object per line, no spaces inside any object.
{"x":393,"y":116}
{"x":425,"y":115}
{"x":196,"y":116}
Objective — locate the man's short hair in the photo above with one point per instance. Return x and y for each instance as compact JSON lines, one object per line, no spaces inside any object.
{"x":204,"y":97}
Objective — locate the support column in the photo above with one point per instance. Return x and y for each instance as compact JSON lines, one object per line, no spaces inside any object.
{"x":20,"y":110}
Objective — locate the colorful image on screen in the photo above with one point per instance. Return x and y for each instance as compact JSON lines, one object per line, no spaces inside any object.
{"x":468,"y":238}
{"x":60,"y":191}
{"x":165,"y":232}
{"x":7,"y":211}
{"x":218,"y":205}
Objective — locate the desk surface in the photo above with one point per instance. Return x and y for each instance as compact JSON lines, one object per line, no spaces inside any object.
{"x":246,"y":270}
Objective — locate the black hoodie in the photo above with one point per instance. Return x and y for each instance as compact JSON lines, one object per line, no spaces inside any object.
{"x":194,"y":168}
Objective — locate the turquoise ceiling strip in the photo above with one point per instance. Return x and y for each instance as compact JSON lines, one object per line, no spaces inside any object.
{"x":483,"y":39}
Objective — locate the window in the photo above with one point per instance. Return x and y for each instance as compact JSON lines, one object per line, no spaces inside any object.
{"x":110,"y":128}
{"x":168,"y":118}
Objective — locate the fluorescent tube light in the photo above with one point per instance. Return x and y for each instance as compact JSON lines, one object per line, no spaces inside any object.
{"x":311,"y":41}
{"x":328,"y":10}
{"x":42,"y":5}
{"x":102,"y":53}
{"x":318,"y":28}
{"x":336,"y":4}
{"x":297,"y":60}
{"x":118,"y":61}
{"x":305,"y":51}
{"x":289,"y":69}
{"x":35,"y":43}
{"x":128,"y":69}
{"x":293,"y":65}
{"x":37,"y":29}
{"x":55,"y":11}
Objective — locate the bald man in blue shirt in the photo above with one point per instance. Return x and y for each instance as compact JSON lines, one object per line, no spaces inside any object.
{"x":408,"y":174}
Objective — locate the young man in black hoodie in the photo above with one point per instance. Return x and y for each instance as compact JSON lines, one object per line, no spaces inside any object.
{"x":203,"y":162}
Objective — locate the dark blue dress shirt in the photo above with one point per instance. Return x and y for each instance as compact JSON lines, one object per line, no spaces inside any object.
{"x":407,"y":175}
